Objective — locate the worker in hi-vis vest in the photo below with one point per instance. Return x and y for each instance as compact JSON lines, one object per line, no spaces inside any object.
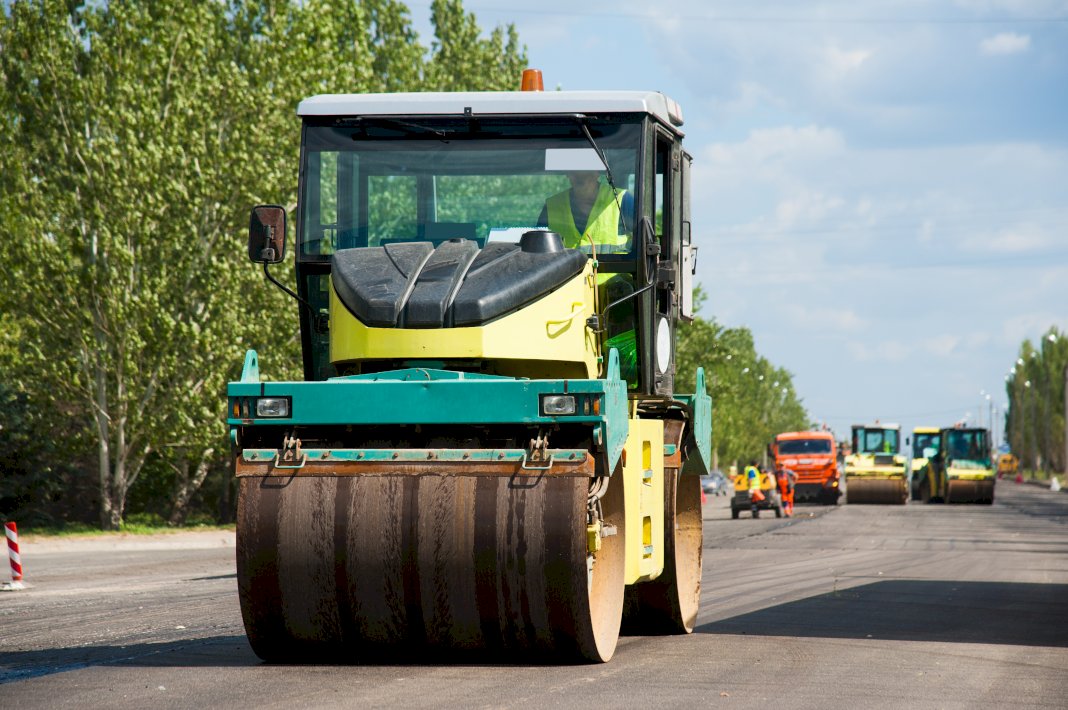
{"x":752,"y":476}
{"x":590,"y":211}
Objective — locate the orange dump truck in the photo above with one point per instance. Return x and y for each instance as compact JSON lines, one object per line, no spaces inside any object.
{"x":813,"y":456}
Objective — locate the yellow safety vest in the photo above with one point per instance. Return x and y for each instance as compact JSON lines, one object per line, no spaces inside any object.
{"x":753,"y":477}
{"x":602,"y":226}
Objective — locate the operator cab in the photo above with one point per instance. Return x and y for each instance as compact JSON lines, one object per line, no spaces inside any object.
{"x":429,"y":210}
{"x":876,"y":439}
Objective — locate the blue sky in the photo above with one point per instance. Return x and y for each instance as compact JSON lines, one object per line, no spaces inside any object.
{"x":881,"y":188}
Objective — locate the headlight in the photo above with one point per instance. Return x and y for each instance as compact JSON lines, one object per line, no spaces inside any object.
{"x":272,"y":407}
{"x":554,"y":405}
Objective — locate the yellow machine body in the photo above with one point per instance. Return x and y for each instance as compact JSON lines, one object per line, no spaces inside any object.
{"x":918,"y":461}
{"x":547,"y":338}
{"x":643,"y":470}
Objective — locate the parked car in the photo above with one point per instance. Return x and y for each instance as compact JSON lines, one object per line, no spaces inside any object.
{"x":715,"y":483}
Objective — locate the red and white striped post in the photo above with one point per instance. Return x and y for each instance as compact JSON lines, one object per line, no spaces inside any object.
{"x":13,"y":554}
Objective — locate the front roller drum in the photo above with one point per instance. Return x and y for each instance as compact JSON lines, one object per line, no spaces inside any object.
{"x":961,"y":491}
{"x":886,"y":491}
{"x":374,"y":567}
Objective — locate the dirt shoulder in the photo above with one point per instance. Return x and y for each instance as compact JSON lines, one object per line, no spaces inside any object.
{"x":169,"y":540}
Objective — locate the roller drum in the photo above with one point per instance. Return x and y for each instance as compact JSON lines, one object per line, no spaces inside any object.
{"x":371,"y":567}
{"x":893,"y":491}
{"x":963,"y":491}
{"x":669,"y":603}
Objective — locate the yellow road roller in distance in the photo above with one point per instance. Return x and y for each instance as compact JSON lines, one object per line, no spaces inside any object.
{"x":489,"y":456}
{"x":925,"y":441}
{"x":962,"y":471}
{"x":875,"y":469}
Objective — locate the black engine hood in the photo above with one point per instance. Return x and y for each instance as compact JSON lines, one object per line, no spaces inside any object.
{"x":453,"y":284}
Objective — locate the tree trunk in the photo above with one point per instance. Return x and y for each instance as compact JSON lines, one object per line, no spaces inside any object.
{"x":227,"y":510}
{"x":186,"y":486}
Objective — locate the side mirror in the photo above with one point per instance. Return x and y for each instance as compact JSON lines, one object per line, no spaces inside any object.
{"x":267,"y":234}
{"x":688,"y":266}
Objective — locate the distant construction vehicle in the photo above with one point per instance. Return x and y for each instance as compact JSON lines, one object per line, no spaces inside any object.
{"x":925,"y":441}
{"x":875,"y":469}
{"x":765,"y":496}
{"x":961,"y":471}
{"x":813,"y":456}
{"x":1008,"y":464}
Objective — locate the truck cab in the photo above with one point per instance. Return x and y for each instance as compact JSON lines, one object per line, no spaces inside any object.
{"x":813,"y":457}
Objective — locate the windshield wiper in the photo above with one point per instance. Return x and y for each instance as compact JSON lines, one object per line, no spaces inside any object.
{"x":600,"y":153}
{"x":406,"y":127}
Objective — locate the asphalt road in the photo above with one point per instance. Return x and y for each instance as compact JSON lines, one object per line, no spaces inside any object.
{"x":856,"y":606}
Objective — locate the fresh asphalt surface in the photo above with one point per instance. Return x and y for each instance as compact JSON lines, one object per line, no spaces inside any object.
{"x":850,"y":607}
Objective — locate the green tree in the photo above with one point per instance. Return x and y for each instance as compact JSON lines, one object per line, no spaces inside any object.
{"x":1035,"y":421}
{"x":752,"y":400}
{"x":464,"y":60}
{"x":133,"y":139}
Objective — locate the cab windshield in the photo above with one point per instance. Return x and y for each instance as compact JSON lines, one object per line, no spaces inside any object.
{"x":923,"y":441}
{"x":875,"y":441}
{"x":378,"y":181}
{"x":799,"y":447}
{"x":967,"y":445}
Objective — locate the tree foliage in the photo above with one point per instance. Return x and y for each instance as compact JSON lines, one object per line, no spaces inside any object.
{"x":1034,"y":423}
{"x":752,"y":400}
{"x":133,"y":139}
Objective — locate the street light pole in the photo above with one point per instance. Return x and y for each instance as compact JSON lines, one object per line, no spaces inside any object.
{"x":990,"y":421}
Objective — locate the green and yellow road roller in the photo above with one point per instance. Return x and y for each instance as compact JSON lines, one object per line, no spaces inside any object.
{"x":962,"y":470}
{"x":875,"y":469}
{"x":487,"y":456}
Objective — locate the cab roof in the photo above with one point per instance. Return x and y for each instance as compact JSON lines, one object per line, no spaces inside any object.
{"x":458,"y":103}
{"x":805,"y":435}
{"x":925,"y":430}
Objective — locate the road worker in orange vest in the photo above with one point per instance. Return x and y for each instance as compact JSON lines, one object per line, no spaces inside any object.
{"x":786,"y":480}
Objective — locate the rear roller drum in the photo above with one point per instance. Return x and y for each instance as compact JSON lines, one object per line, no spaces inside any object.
{"x":668,"y":604}
{"x":378,"y":566}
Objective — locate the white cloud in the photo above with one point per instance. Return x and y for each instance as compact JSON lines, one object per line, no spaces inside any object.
{"x":749,"y":96}
{"x":1021,"y":239}
{"x":944,"y":345}
{"x":1005,"y":43}
{"x":842,"y":61}
{"x":824,"y":320}
{"x":805,"y":207}
{"x":771,"y":147}
{"x":886,"y":351}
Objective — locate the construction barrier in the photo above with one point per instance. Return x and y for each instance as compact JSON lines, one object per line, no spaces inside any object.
{"x":13,"y":554}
